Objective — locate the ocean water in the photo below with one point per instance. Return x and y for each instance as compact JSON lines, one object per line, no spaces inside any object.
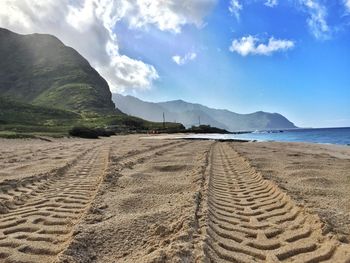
{"x":322,"y":135}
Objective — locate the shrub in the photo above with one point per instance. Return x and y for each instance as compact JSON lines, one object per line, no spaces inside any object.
{"x":133,"y":123}
{"x":83,"y":132}
{"x":104,"y":132}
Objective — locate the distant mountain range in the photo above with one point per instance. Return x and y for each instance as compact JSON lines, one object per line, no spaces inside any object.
{"x":40,"y":70}
{"x":191,"y":114}
{"x":45,"y":83}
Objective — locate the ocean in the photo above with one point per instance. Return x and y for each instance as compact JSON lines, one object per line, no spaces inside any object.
{"x":319,"y":135}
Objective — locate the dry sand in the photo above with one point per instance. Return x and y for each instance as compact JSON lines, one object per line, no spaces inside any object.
{"x":316,"y":176}
{"x":126,"y":199}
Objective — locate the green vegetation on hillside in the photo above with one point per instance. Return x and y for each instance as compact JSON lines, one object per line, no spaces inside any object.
{"x":39,"y":69}
{"x":15,"y":112}
{"x":47,"y":88}
{"x":206,"y":129}
{"x":18,"y":119}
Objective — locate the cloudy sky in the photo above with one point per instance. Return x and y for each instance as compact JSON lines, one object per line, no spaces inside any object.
{"x":286,"y":56}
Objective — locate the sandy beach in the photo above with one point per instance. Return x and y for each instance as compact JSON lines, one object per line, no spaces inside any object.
{"x":127,"y":199}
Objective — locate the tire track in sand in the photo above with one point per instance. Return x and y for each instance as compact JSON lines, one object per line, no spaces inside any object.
{"x":37,"y":228}
{"x":251,"y":220}
{"x":13,"y":192}
{"x":40,"y":215}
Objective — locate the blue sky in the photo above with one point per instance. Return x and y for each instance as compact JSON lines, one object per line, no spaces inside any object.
{"x":309,"y":83}
{"x":286,"y":56}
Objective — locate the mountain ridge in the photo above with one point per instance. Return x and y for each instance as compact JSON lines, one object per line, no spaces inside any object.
{"x":48,"y":88}
{"x":189,"y":113}
{"x":41,"y":70}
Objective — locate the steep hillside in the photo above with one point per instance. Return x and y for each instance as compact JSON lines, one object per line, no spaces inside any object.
{"x":189,"y":114}
{"x":39,"y":69}
{"x":15,"y":112}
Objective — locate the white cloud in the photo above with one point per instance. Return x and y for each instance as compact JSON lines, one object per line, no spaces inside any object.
{"x":271,"y":3}
{"x":317,"y":21}
{"x":347,"y":5}
{"x":235,"y":8}
{"x":185,"y":59}
{"x":166,"y":15}
{"x":87,"y":26}
{"x":250,"y":45}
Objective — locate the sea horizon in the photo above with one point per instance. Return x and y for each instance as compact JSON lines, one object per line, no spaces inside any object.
{"x":333,"y":135}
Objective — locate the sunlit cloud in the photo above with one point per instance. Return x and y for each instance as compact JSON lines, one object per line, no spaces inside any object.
{"x":88,"y":27}
{"x":317,"y":21}
{"x":235,"y":8}
{"x":347,"y":5}
{"x":184,"y":59}
{"x":166,"y":15}
{"x":251,"y":45}
{"x":271,"y":3}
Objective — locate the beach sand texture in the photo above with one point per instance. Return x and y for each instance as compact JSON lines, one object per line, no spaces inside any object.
{"x":126,"y":199}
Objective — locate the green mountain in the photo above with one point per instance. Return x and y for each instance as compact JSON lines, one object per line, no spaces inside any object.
{"x":19,"y":119}
{"x":48,"y":88}
{"x":39,"y":69}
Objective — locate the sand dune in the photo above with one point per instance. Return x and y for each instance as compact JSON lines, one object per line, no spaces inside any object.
{"x":126,"y":199}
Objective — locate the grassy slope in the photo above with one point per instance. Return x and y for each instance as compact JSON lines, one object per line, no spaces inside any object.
{"x":18,"y":119}
{"x":23,"y":117}
{"x":47,"y":88}
{"x":40,"y":69}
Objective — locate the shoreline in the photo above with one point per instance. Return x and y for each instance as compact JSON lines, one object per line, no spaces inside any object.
{"x":223,"y":137}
